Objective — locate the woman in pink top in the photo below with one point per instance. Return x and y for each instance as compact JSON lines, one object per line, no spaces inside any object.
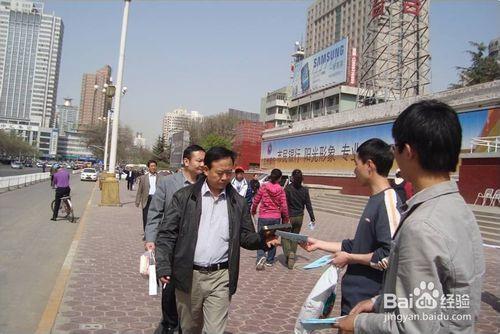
{"x":272,"y":209}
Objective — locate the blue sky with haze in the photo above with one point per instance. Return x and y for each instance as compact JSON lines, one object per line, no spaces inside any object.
{"x":211,"y":56}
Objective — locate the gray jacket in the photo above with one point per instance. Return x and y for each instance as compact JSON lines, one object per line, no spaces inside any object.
{"x":436,"y":264}
{"x":165,"y":190}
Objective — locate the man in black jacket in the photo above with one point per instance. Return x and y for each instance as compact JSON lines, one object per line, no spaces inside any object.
{"x":198,"y":245}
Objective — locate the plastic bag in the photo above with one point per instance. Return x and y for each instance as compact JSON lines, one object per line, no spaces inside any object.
{"x":144,"y":264}
{"x":147,"y":269}
{"x":320,"y":301}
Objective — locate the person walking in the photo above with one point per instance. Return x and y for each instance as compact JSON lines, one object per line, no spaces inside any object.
{"x":297,"y":197}
{"x":146,"y":190}
{"x":130,"y":179}
{"x":241,"y":185}
{"x":198,"y":245}
{"x":437,"y":252}
{"x":193,"y":166}
{"x":60,"y":181}
{"x":273,"y":209}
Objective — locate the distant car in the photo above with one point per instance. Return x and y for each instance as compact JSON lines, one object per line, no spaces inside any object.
{"x":39,"y":164}
{"x":16,"y":165}
{"x":28,"y":164}
{"x":88,"y":174}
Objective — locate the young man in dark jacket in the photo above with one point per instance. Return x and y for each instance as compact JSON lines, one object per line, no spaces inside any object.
{"x":297,"y":198}
{"x":198,"y":245}
{"x":366,"y":256}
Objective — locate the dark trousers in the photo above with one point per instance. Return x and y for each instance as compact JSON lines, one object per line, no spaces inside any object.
{"x":145,"y":213}
{"x":170,"y":319}
{"x":60,"y":192}
{"x":272,"y":251}
{"x":290,"y":246}
{"x":130,"y":183}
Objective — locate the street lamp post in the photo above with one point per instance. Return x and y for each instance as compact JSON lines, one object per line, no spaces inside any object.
{"x":119,"y":82}
{"x":110,"y":194}
{"x":107,"y":140}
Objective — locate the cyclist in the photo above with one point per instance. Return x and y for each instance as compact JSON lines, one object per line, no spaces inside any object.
{"x":61,"y":183}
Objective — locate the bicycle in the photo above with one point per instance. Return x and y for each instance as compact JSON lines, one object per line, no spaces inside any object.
{"x":65,"y":209}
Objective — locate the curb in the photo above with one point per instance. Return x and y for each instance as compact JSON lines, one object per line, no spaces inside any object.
{"x":52,"y":308}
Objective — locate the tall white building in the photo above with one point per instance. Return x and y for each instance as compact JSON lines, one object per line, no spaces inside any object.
{"x":178,"y":120}
{"x":30,"y":56}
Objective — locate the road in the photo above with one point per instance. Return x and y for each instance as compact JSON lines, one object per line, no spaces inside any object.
{"x":6,"y":170}
{"x":32,"y":251}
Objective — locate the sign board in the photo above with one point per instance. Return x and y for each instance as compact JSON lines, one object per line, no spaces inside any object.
{"x":321,"y":70}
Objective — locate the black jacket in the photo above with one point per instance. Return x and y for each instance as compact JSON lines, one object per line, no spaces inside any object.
{"x":297,"y":198}
{"x":177,"y":235}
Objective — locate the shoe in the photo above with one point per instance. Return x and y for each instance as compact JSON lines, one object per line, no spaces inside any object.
{"x":291,"y":260}
{"x":269,"y":264}
{"x":54,"y":219}
{"x":260,"y":263}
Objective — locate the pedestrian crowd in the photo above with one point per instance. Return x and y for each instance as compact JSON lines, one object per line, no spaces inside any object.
{"x":416,"y":235}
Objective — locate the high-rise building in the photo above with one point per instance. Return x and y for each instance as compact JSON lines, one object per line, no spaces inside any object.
{"x":178,"y":120}
{"x":30,"y":57}
{"x":388,"y":43}
{"x":93,"y":100}
{"x":66,"y":116}
{"x":328,"y":21}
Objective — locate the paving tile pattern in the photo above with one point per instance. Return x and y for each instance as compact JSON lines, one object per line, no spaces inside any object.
{"x":106,"y":295}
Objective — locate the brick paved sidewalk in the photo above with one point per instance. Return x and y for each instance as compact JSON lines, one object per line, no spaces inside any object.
{"x":105,"y":293}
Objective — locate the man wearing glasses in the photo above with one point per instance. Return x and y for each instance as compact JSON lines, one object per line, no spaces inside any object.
{"x":436,"y":264}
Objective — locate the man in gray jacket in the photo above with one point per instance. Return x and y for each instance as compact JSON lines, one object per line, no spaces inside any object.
{"x":193,"y":166}
{"x":436,"y":264}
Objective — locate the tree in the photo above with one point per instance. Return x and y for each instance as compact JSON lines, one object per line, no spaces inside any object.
{"x":221,"y":125}
{"x":161,"y":152}
{"x":12,"y":145}
{"x":96,"y":138}
{"x":213,"y":140}
{"x":483,"y":68}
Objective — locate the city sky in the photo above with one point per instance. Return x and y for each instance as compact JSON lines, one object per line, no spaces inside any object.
{"x":211,"y":56}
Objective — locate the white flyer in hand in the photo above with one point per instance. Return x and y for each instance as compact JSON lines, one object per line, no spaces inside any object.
{"x":317,"y":324}
{"x":321,"y":262}
{"x":300,"y":238}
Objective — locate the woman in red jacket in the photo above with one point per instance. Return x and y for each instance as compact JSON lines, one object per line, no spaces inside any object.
{"x":273,"y":208}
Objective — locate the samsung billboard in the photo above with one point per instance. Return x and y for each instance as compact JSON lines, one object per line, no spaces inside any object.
{"x":323,"y":69}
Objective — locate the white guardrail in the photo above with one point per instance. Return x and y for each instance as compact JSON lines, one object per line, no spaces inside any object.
{"x":492,"y":143}
{"x":18,"y":181}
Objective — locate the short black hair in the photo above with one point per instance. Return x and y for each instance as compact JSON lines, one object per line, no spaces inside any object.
{"x":297,"y":177}
{"x":218,"y":153}
{"x":379,"y":152}
{"x":275,"y":175}
{"x":433,"y":130}
{"x":190,"y":149}
{"x":152,"y":162}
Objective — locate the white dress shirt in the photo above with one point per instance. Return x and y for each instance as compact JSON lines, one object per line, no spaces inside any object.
{"x":212,"y":246}
{"x":152,"y":183}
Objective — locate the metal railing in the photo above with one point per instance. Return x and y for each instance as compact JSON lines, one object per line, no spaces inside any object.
{"x":19,"y":181}
{"x":492,"y":143}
